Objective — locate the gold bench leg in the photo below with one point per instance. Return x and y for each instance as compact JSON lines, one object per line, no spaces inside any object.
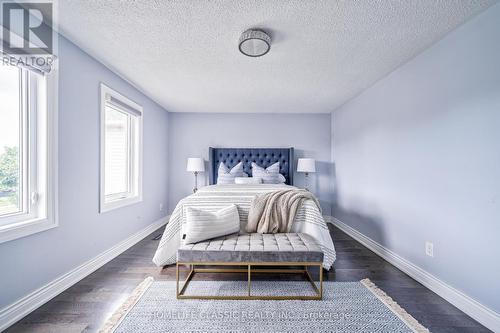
{"x":320,"y":281}
{"x":177,"y":280}
{"x":319,"y":292}
{"x":249,"y":279}
{"x":186,"y":282}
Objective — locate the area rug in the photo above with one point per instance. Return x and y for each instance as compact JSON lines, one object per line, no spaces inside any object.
{"x":346,"y":307}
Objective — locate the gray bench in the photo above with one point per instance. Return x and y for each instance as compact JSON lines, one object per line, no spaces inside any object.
{"x":278,"y":253}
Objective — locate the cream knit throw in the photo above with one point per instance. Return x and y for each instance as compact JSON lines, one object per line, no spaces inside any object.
{"x":274,"y":212}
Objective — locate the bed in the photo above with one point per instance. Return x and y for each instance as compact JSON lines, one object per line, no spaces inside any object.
{"x":308,"y":220}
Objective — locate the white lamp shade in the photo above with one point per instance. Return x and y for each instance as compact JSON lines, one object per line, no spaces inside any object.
{"x":306,"y":165}
{"x":195,"y":164}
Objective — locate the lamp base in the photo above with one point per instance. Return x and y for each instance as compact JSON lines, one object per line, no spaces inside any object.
{"x":195,"y":188}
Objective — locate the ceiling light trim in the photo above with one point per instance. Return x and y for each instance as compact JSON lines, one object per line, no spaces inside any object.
{"x":251,"y":35}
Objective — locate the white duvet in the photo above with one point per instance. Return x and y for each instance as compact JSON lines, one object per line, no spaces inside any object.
{"x":212,"y":198}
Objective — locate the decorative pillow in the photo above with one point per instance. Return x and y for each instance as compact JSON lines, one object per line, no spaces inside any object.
{"x":248,"y":180}
{"x":226,"y":176}
{"x":271,"y":175}
{"x":282,"y":179}
{"x":202,"y":225}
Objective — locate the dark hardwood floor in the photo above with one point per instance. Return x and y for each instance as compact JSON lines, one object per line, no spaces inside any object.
{"x":85,"y":306}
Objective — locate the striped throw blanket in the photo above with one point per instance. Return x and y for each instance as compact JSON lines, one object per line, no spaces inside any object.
{"x":212,"y":198}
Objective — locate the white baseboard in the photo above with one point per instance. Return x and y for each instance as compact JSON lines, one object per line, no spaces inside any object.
{"x":22,"y":307}
{"x":473,"y":308}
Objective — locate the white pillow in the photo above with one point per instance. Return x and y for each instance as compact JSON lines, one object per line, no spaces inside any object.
{"x":248,"y":180}
{"x":282,"y":179}
{"x":226,"y":176}
{"x":202,"y":225}
{"x":271,"y":175}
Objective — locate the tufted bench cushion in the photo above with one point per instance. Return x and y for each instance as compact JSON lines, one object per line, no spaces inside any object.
{"x":255,"y":247}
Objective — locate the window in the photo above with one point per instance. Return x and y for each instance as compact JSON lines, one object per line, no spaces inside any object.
{"x":121,"y":150}
{"x":27,"y":152}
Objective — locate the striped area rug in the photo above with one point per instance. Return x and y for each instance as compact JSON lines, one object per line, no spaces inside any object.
{"x":346,"y":307}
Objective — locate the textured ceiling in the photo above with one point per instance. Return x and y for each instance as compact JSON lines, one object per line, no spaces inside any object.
{"x":184,"y":54}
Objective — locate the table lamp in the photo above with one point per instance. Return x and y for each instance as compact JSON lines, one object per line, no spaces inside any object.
{"x":195,"y":164}
{"x":306,"y":165}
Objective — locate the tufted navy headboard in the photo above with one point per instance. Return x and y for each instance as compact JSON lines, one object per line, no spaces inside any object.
{"x":264,"y":157}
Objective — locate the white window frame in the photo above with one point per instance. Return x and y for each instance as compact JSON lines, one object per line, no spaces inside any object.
{"x":107,"y":203}
{"x":42,"y":168}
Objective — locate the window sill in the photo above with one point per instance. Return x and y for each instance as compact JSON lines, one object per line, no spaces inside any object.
{"x":108,"y":206}
{"x":22,"y":229}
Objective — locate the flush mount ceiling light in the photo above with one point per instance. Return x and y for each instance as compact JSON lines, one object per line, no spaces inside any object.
{"x":254,"y":43}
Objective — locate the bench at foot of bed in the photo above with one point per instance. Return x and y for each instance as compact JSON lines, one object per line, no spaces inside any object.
{"x":292,"y":253}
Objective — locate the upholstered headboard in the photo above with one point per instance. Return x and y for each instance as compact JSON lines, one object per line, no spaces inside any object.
{"x":264,"y":157}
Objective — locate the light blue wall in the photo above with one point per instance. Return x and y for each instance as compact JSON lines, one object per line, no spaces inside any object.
{"x":192,"y":133}
{"x":30,"y":262}
{"x":417,"y":158}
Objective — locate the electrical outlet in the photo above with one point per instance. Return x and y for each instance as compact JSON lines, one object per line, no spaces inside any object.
{"x":161,"y":207}
{"x":429,"y":249}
